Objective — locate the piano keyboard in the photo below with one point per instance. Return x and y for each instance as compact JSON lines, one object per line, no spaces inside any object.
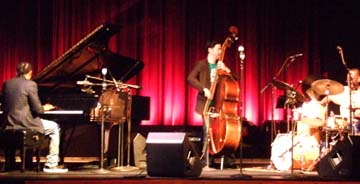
{"x":65,"y":112}
{"x":70,"y":112}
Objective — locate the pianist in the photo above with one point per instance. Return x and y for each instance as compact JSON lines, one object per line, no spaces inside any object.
{"x":21,"y":109}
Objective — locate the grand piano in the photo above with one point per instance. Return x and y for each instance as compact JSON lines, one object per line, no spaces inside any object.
{"x":57,"y":81}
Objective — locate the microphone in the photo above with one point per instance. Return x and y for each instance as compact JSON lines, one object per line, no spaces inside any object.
{"x":296,"y":55}
{"x":104,"y":72}
{"x":84,"y":82}
{"x":88,"y":90}
{"x":241,"y":49}
{"x":340,"y":50}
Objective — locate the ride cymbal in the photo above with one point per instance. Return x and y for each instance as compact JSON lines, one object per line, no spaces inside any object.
{"x":327,"y":87}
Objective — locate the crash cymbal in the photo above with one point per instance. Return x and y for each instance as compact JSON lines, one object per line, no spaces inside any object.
{"x":285,"y":86}
{"x":327,"y":87}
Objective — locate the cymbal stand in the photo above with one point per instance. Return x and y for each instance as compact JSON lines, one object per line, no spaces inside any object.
{"x":326,"y":118}
{"x":351,"y":84}
{"x":289,"y":104}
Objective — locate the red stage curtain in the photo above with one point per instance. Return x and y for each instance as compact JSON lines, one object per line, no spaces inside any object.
{"x":169,"y":36}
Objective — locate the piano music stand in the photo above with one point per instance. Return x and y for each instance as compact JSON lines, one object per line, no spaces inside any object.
{"x":128,"y":167}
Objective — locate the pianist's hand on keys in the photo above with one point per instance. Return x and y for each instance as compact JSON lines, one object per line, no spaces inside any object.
{"x":48,"y":107}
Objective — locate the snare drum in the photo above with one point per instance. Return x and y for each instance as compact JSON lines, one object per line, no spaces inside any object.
{"x":306,"y":151}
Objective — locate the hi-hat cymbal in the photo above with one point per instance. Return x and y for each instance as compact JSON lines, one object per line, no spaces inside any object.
{"x":327,"y":87}
{"x":285,"y":86}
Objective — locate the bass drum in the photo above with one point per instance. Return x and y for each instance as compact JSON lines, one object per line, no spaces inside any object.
{"x":112,"y":105}
{"x":306,"y":151}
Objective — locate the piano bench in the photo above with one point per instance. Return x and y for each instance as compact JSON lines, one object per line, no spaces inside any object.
{"x":26,"y":141}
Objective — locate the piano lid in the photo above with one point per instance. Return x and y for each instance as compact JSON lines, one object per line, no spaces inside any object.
{"x":87,"y":57}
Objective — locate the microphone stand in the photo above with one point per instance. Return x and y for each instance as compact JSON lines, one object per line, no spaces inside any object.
{"x":350,"y":84}
{"x":241,"y":175}
{"x":284,"y":66}
{"x":101,"y":169}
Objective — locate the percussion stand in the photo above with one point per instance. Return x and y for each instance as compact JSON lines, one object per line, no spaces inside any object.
{"x":128,"y":167}
{"x":120,"y":151}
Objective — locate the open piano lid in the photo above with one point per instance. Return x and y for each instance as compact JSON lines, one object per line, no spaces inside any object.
{"x":87,"y":57}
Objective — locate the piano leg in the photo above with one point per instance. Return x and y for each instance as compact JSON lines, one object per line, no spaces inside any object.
{"x":64,"y":142}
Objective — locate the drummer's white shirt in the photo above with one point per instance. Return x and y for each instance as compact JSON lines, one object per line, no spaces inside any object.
{"x":343,"y":100}
{"x":312,"y":116}
{"x":313,"y":109}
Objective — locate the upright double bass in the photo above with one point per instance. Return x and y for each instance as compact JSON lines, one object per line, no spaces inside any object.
{"x":221,"y":108}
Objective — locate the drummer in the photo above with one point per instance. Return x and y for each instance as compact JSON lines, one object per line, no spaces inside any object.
{"x":312,"y":111}
{"x":343,"y":99}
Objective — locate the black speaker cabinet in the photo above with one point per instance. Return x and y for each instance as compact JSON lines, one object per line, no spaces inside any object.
{"x":342,"y":161}
{"x":171,"y":155}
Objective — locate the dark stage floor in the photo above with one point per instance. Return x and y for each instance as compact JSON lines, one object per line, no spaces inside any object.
{"x":258,"y":172}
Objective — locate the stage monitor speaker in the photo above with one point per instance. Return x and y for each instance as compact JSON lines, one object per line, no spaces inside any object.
{"x":342,"y":161}
{"x":171,"y":155}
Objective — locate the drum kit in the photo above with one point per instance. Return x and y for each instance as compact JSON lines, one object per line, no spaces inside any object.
{"x":298,"y":150}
